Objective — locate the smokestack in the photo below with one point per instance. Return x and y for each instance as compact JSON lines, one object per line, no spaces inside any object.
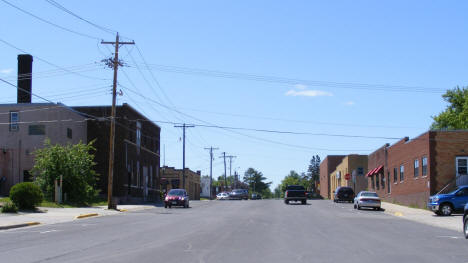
{"x":24,"y":78}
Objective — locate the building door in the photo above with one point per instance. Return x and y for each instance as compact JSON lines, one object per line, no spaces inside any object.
{"x":462,"y":170}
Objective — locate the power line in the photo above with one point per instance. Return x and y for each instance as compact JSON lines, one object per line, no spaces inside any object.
{"x":48,"y":22}
{"x":50,"y":63}
{"x":292,"y":81}
{"x":61,"y":7}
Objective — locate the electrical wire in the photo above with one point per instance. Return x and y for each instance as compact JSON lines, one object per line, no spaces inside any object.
{"x":48,"y":22}
{"x":50,"y":63}
{"x":291,"y":81}
{"x":61,"y":7}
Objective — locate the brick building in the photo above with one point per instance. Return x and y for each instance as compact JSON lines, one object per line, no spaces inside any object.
{"x":327,"y":166}
{"x":172,"y":178}
{"x":355,"y":166}
{"x":136,"y":155}
{"x":29,"y":125}
{"x":409,"y":171}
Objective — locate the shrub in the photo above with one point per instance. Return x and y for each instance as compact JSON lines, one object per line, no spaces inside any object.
{"x":26,"y":195}
{"x":9,"y":207}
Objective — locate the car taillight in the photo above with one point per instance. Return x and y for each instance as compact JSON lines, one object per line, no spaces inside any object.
{"x":287,"y":194}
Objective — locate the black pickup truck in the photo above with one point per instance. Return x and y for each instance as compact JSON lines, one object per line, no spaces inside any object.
{"x":295,"y":193}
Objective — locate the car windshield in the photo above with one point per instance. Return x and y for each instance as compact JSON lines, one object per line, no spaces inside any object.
{"x":370,"y":194}
{"x":177,"y":192}
{"x":295,"y":187}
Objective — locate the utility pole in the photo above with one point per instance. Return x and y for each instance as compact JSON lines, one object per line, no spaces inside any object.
{"x":211,"y":167}
{"x":225,"y":180}
{"x":115,"y":64}
{"x":230,"y":164}
{"x":183,"y":126}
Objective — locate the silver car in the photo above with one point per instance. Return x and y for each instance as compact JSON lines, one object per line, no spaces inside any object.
{"x":367,"y":199}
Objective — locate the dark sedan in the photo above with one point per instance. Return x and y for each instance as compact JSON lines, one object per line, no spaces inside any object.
{"x":239,"y":194}
{"x":176,"y":197}
{"x":344,"y":194}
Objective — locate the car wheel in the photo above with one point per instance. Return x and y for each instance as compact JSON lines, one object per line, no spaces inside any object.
{"x":355,"y":206}
{"x":465,"y":227}
{"x":165,"y":206}
{"x":286,"y":202}
{"x":304,"y":202}
{"x":446,"y":209}
{"x":358,"y":207}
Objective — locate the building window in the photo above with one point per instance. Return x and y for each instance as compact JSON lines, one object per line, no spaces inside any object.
{"x":402,"y":173}
{"x":416,"y":168}
{"x":377,"y":182}
{"x":424,"y":166}
{"x":462,"y":165}
{"x":382,"y":179}
{"x":14,"y":119}
{"x":372,"y":182}
{"x":395,"y":175}
{"x":36,"y":130}
{"x":138,"y":134}
{"x":388,"y":182}
{"x":69,"y":133}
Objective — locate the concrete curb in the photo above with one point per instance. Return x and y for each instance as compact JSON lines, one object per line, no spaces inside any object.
{"x":86,"y":215}
{"x":19,"y":225}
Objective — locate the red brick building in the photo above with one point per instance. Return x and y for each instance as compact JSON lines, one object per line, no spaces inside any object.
{"x":409,"y":171}
{"x":327,"y":166}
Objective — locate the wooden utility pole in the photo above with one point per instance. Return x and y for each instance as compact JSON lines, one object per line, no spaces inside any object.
{"x":230,"y":165}
{"x":115,"y":65}
{"x":225,"y":180}
{"x":183,"y":126}
{"x":211,"y":168}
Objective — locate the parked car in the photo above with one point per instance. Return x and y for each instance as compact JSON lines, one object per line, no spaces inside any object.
{"x":176,"y":197}
{"x":222,"y":196}
{"x":295,"y":193}
{"x":446,"y":204}
{"x":343,"y":194}
{"x":239,"y":194}
{"x":367,"y":199}
{"x":255,"y":196}
{"x":465,"y":221}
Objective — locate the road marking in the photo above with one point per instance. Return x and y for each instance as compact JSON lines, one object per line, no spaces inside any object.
{"x":398,"y":214}
{"x":452,"y":237}
{"x":48,"y":231}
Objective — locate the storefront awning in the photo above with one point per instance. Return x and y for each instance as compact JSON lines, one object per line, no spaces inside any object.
{"x":375,"y":171}
{"x":379,"y":169}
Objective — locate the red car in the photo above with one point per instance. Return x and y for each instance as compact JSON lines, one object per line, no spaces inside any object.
{"x":176,"y":197}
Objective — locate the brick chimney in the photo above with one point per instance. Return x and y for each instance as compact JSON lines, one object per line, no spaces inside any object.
{"x":24,"y":78}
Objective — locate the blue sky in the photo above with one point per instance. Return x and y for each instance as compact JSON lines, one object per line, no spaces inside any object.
{"x":329,"y":51}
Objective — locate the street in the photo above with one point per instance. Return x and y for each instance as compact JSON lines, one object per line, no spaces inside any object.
{"x":237,"y":231}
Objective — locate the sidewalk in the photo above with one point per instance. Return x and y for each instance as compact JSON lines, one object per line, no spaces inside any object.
{"x":453,"y":222}
{"x":48,"y":215}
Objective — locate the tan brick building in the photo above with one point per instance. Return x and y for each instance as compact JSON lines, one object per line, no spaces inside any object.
{"x":172,"y":178}
{"x":356,"y":166}
{"x":409,"y":171}
{"x":327,"y":166}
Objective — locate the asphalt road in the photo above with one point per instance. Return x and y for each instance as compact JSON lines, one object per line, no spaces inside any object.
{"x":237,"y":231}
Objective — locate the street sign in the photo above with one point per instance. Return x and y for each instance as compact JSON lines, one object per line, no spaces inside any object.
{"x":347,"y":176}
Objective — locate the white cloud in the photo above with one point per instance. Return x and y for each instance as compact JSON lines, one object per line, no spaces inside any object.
{"x":6,"y":71}
{"x":308,"y":93}
{"x":350,"y":103}
{"x":300,"y":86}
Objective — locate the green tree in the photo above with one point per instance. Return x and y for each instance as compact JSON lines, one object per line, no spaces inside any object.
{"x":277,"y":192}
{"x":455,"y":116}
{"x":293,"y":178}
{"x":75,"y":164}
{"x":256,"y":181}
{"x":313,"y":173}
